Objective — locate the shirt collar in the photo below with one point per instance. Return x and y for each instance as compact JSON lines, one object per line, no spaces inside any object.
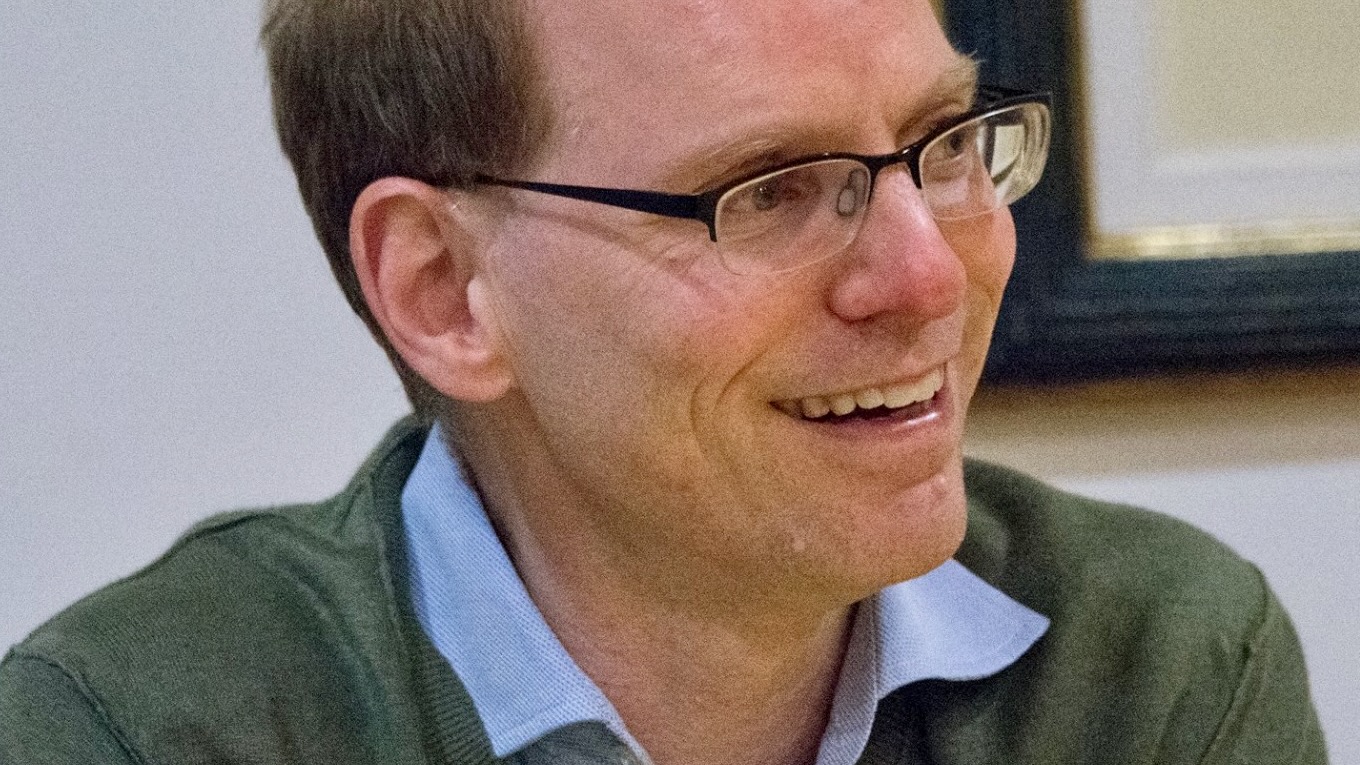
{"x":948,"y":624}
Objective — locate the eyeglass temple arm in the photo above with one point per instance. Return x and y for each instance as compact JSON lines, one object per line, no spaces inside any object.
{"x":992,"y":95}
{"x":655,"y":202}
{"x":997,"y":92}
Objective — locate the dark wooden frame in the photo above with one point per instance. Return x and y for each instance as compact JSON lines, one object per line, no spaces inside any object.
{"x":1068,"y":317}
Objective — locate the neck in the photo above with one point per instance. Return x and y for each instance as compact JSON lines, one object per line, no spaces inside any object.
{"x":701,"y":675}
{"x":699,"y":690}
{"x":698,"y":682}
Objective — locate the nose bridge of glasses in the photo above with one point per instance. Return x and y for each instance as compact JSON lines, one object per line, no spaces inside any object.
{"x":898,"y":164}
{"x":910,"y":158}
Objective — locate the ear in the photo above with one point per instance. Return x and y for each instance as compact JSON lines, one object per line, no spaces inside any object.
{"x":418,"y":260}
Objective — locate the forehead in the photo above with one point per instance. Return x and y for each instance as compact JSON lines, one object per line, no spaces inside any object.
{"x":636,"y":80}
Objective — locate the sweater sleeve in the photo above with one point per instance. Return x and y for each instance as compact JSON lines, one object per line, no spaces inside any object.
{"x":1271,"y":720}
{"x":47,"y":719}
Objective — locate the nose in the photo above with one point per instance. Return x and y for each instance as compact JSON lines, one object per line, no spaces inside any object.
{"x":899,"y":262}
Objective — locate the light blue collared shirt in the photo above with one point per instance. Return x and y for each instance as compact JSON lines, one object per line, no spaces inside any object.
{"x":946,"y":625}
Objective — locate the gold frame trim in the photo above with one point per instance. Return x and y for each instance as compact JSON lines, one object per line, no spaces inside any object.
{"x":1304,"y":237}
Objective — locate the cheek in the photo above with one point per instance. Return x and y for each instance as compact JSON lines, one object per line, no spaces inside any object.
{"x":636,"y":378}
{"x":646,"y":335}
{"x":986,"y":246}
{"x":574,"y":339}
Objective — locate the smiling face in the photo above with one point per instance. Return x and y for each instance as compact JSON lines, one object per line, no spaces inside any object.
{"x":676,"y":424}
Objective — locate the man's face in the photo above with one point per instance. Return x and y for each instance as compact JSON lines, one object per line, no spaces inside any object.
{"x":658,"y":394}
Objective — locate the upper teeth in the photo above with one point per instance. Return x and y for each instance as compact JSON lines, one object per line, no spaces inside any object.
{"x":891,"y":396}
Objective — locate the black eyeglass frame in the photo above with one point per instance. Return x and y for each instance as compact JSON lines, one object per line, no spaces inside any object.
{"x":704,"y":206}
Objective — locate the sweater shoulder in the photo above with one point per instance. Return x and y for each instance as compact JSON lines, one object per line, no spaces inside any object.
{"x":247,"y":608}
{"x":1164,"y":645}
{"x":221,"y":560}
{"x":1051,"y":548}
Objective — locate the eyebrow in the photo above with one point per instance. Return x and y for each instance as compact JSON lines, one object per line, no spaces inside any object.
{"x":733,"y":159}
{"x":957,"y":86}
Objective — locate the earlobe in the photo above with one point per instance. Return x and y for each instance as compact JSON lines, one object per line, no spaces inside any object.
{"x":418,"y":261}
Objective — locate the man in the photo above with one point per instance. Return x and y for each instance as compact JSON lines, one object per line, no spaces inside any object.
{"x":697,"y":336}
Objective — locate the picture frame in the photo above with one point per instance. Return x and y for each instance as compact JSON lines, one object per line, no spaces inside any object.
{"x":1069,"y":316}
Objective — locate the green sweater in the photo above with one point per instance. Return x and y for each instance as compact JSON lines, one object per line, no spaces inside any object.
{"x":286,"y":636}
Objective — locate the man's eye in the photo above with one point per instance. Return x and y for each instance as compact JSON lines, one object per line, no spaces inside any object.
{"x":958,"y":143}
{"x":767,"y":196}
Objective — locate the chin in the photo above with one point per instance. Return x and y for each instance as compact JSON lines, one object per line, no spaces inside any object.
{"x":901,"y":537}
{"x":930,"y":535}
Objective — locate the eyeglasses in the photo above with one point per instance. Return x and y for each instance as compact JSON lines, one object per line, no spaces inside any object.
{"x":800,"y":212}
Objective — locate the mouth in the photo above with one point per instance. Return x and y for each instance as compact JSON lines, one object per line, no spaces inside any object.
{"x":900,"y":401}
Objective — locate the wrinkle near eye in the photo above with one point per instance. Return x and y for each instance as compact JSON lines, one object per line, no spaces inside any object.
{"x":722,"y":165}
{"x":953,"y":93}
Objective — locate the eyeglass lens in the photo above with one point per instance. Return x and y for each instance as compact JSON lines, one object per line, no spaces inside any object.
{"x":808,"y":212}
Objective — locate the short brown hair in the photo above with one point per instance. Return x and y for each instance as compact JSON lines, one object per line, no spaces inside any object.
{"x":437,"y":90}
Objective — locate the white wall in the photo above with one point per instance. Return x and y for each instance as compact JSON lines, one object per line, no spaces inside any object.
{"x":173,"y":344}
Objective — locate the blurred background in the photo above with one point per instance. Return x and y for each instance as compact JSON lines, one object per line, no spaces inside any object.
{"x":173,"y":345}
